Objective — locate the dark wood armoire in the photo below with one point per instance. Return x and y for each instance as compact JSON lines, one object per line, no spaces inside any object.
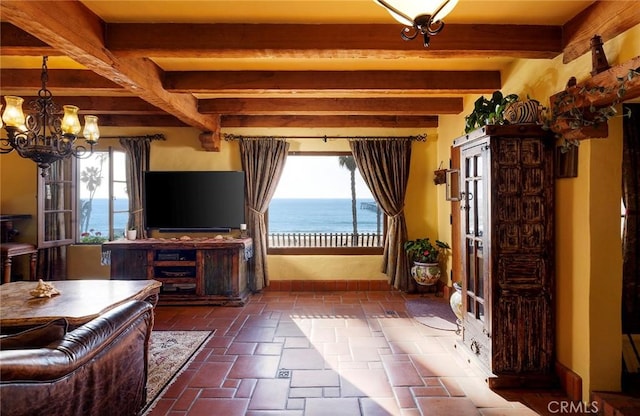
{"x":505,"y":233}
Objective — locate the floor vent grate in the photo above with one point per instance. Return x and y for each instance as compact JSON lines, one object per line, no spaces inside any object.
{"x":282,"y":373}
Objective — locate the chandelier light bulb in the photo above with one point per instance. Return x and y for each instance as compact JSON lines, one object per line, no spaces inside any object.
{"x":91,"y":133}
{"x":70,"y":122}
{"x":13,"y":115}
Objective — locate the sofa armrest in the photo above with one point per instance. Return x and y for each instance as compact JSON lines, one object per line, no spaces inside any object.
{"x":74,"y":350}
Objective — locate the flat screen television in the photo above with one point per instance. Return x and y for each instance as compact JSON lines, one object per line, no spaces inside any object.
{"x":192,"y":201}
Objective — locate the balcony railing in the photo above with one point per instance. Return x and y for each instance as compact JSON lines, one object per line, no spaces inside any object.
{"x":284,"y":240}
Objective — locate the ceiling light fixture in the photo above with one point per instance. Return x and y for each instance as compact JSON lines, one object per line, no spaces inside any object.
{"x":43,"y":136}
{"x":419,"y":16}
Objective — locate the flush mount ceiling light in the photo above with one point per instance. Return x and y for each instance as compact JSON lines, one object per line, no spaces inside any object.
{"x":42,"y":135}
{"x":419,"y":16}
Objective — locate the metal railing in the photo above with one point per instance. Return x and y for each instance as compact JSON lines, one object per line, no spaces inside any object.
{"x":282,"y":240}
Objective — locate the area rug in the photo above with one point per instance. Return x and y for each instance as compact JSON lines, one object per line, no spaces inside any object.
{"x":433,"y":313}
{"x":170,"y":352}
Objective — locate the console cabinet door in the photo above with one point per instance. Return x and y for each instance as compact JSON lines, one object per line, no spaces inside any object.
{"x":129,"y":264}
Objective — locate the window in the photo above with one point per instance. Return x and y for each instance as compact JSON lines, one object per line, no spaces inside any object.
{"x":56,"y":212}
{"x":103,"y":201}
{"x":323,"y":206}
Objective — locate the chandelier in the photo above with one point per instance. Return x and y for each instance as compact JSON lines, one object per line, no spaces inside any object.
{"x":42,"y":135}
{"x":420,"y":17}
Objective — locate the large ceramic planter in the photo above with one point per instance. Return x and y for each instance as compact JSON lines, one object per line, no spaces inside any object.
{"x":425,"y":274}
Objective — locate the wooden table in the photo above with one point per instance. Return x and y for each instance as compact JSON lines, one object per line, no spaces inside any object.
{"x":79,"y":301}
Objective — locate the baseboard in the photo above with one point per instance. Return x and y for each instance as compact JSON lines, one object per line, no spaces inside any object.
{"x":570,"y":382}
{"x":327,"y":285}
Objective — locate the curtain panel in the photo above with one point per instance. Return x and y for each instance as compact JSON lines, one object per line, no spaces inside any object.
{"x":384,"y":166}
{"x":137,"y":151}
{"x":262,"y":162}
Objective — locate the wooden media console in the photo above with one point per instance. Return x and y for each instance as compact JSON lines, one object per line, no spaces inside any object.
{"x":211,"y":271}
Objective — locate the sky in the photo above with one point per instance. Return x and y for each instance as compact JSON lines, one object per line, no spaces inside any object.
{"x":318,"y":177}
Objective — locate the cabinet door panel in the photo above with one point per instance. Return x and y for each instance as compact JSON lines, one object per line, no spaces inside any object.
{"x":218,"y":272}
{"x":520,"y":344}
{"x":129,"y":264}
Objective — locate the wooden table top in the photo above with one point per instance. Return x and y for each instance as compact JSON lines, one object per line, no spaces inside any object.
{"x":79,"y":301}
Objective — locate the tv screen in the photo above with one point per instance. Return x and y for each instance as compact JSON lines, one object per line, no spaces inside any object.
{"x":194,"y":200}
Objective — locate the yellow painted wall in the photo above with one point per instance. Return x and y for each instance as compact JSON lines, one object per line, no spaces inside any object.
{"x":588,"y":244}
{"x":18,"y":184}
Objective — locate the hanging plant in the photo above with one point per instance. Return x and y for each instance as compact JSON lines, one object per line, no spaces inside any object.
{"x":569,"y":112}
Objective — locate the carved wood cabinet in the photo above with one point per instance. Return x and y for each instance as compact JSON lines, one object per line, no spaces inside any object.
{"x":506,"y":238}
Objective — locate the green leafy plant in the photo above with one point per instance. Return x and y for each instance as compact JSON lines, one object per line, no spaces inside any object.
{"x":488,"y":110}
{"x":92,"y":237}
{"x":575,"y":117}
{"x":422,"y":250}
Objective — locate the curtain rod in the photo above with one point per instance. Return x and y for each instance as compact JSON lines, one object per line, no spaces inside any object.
{"x":420,"y":137}
{"x":148,"y":136}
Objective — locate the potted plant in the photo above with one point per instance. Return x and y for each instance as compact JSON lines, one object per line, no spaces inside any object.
{"x":426,"y":256}
{"x":488,"y":110}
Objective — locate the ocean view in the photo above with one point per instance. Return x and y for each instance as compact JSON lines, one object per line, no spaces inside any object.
{"x":99,"y":219}
{"x":320,"y":215}
{"x":285,"y":215}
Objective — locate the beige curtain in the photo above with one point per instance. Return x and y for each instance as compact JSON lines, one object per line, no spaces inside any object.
{"x":137,"y":153}
{"x":384,"y":166}
{"x":262,"y":161}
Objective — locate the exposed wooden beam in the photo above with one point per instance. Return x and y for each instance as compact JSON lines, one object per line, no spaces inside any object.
{"x":605,"y":18}
{"x":60,"y":81}
{"x":139,"y":120}
{"x":328,"y":121}
{"x":307,"y":41}
{"x":16,"y":41}
{"x":333,"y":106}
{"x":106,"y":104}
{"x":83,"y":41}
{"x":335,"y":82}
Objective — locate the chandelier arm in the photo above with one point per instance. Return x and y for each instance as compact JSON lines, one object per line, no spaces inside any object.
{"x":433,"y":27}
{"x":435,"y":14}
{"x":395,"y":10}
{"x":409,"y":33}
{"x":5,"y":146}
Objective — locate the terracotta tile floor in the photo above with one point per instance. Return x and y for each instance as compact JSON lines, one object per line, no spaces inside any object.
{"x":328,"y":353}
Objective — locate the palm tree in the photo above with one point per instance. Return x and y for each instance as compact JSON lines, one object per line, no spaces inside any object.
{"x":350,"y":163}
{"x":92,"y":177}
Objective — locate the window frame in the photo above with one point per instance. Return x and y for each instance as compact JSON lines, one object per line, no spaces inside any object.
{"x":111,"y":181}
{"x":325,"y":250}
{"x":70,"y":219}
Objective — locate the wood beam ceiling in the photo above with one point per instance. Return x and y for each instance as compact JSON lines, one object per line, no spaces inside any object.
{"x":84,"y":42}
{"x":328,"y":41}
{"x":332,"y":106}
{"x":120,"y":61}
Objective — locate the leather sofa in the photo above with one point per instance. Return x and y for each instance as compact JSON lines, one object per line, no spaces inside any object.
{"x":99,"y":368}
